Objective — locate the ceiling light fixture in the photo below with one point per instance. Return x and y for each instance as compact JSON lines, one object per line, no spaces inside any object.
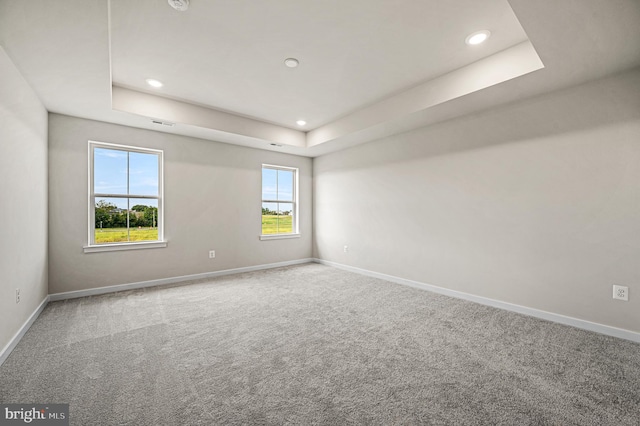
{"x":291,"y":62}
{"x":179,"y":5}
{"x":477,"y":37}
{"x":301,"y":122}
{"x":154,"y":83}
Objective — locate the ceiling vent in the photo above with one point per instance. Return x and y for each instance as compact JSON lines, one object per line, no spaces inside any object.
{"x":179,"y":5}
{"x":163,"y":123}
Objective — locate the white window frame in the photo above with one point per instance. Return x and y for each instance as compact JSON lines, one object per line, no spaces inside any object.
{"x":295,"y":221}
{"x":92,"y":247}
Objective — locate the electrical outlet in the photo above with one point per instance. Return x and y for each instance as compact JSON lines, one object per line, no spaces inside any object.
{"x":621,"y":292}
{"x":212,"y":254}
{"x":17,"y":295}
{"x":346,"y":249}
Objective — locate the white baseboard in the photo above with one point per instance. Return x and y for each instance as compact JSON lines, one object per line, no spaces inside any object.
{"x":163,"y":281}
{"x":549,"y":316}
{"x":6,"y":351}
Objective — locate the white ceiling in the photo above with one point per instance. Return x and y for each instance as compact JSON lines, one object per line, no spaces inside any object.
{"x":229,"y":54}
{"x":368,"y":68}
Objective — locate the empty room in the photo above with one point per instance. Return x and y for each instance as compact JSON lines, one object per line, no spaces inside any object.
{"x":226,"y":212}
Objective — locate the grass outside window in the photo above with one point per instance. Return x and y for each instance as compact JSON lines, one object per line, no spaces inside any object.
{"x":117,"y":235}
{"x":277,"y":224}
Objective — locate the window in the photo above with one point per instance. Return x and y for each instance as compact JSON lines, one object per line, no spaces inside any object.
{"x":125,"y":197}
{"x":279,"y":202}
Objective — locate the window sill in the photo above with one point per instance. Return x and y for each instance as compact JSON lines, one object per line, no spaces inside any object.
{"x":278,"y":236}
{"x":124,"y":246}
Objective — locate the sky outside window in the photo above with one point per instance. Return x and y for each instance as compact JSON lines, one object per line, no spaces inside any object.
{"x":277,"y":185}
{"x":110,"y":171}
{"x":111,"y":174}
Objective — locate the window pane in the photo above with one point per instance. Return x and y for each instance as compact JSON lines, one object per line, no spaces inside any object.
{"x":285,"y":209}
{"x":285,"y":185}
{"x":143,"y":220}
{"x":111,"y":220}
{"x":285,"y":218}
{"x":109,"y":171}
{"x":125,"y":178}
{"x":269,"y":184}
{"x":269,"y":218}
{"x":277,"y":218}
{"x":143,"y":174}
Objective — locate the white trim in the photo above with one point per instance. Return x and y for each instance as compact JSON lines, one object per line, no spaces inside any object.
{"x":125,"y":246}
{"x":125,"y":148}
{"x":163,"y":281}
{"x":92,"y":145}
{"x":549,"y":316}
{"x":6,"y":351}
{"x":273,"y":166}
{"x":278,"y":236}
{"x":294,"y":203}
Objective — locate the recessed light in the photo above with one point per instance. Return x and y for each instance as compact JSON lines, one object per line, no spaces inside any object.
{"x":154,"y":83}
{"x":179,"y":5}
{"x":477,"y":37}
{"x":301,"y":122}
{"x":291,"y":62}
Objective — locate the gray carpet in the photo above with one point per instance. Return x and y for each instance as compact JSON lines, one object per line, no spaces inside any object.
{"x":312,"y":344}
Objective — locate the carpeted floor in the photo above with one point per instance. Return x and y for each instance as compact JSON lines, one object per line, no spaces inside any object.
{"x":311,"y":344}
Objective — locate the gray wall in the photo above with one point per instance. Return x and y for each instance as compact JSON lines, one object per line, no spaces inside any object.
{"x":23,"y":188}
{"x":212,"y":202}
{"x":536,"y":203}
